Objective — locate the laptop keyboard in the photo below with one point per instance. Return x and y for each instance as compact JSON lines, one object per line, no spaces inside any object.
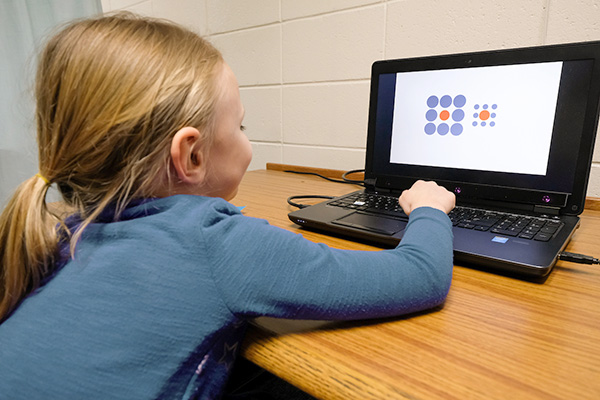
{"x":370,"y":202}
{"x":525,"y":227}
{"x":507,"y":224}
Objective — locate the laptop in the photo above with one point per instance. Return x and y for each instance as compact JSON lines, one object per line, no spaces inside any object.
{"x":510,"y":132}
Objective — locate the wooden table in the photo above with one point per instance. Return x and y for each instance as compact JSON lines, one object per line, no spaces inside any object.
{"x":496,"y":337}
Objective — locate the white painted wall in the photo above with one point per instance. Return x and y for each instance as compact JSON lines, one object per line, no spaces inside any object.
{"x":304,"y":65}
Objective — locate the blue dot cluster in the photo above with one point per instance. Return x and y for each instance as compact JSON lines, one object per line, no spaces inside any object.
{"x":457,"y":115}
{"x":492,"y":115}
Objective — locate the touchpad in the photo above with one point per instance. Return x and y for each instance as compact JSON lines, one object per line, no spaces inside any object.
{"x":372,"y":223}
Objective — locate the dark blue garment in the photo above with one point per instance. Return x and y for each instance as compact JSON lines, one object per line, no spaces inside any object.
{"x":155,"y":305}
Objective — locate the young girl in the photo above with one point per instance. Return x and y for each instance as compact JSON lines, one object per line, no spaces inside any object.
{"x":145,"y":290}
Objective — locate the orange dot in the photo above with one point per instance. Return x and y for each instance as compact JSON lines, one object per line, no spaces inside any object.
{"x":485,"y":114}
{"x":444,"y":115}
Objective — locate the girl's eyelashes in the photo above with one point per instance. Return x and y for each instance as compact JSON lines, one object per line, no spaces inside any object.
{"x":242,"y":128}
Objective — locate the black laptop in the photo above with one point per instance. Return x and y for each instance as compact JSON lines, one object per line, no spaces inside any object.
{"x":510,"y":132}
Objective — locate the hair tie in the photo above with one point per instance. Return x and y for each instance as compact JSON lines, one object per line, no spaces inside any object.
{"x":42,"y":177}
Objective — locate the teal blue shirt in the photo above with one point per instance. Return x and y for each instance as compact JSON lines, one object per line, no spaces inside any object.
{"x":156,"y":304}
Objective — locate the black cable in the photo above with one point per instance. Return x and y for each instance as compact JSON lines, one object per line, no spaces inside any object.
{"x":356,"y":181}
{"x":578,"y":258}
{"x":343,"y":180}
{"x":310,"y":196}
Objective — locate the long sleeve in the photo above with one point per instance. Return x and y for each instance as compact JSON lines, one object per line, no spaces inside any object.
{"x":159,"y":297}
{"x":264,"y":270}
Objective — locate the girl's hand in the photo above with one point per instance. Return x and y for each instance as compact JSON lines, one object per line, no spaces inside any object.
{"x":427,"y":194}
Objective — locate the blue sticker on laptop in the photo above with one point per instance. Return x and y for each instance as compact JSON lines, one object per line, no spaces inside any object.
{"x":500,"y":239}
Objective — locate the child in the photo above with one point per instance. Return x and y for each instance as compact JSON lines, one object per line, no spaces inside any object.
{"x":145,"y":290}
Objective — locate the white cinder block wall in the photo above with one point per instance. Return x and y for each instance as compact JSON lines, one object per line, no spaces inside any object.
{"x":303,"y":65}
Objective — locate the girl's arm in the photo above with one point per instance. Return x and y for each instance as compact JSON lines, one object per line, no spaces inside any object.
{"x":265,"y":270}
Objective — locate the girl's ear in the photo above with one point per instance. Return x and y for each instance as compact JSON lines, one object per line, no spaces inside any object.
{"x":187,"y":157}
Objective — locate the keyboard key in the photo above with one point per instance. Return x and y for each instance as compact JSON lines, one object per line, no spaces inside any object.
{"x":549,"y":229}
{"x":542,"y":237}
{"x":484,"y":221}
{"x":505,"y":232}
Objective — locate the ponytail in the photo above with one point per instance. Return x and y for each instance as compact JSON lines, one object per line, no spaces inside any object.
{"x":28,"y":243}
{"x":110,"y":94}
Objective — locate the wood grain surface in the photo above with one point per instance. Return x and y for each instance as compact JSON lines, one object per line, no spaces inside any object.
{"x":496,"y":337}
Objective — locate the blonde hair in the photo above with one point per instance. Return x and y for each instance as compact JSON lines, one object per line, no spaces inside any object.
{"x":110,"y":92}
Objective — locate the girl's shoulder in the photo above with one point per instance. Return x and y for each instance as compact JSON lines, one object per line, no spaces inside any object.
{"x":184,"y":204}
{"x":195,"y":210}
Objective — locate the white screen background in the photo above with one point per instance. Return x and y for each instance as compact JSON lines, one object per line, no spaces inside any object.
{"x":524,"y":97}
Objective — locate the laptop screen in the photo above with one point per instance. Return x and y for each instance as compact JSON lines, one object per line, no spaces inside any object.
{"x":504,"y":126}
{"x":452,"y":118}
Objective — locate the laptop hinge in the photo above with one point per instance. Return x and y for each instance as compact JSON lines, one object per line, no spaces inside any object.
{"x":546,"y":210}
{"x":370,"y":183}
